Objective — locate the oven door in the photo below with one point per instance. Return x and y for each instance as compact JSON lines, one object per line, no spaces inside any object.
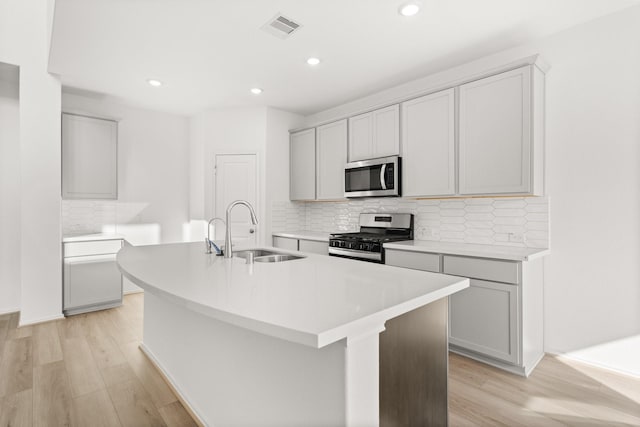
{"x":372,"y":178}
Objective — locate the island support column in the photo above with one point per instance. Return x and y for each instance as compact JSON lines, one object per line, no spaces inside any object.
{"x":414,"y":362}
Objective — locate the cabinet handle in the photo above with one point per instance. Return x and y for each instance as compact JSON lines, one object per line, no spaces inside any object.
{"x":383,"y":179}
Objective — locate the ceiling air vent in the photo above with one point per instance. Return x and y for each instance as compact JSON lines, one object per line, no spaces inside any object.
{"x":281,"y":26}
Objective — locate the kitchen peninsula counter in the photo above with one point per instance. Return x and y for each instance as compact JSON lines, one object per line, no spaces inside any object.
{"x":239,"y":342}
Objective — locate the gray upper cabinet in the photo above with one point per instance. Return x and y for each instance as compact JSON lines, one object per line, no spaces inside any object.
{"x":428,"y":145}
{"x":501,"y":134}
{"x":89,"y":158}
{"x":303,"y":165}
{"x":375,"y":134}
{"x":331,"y":158}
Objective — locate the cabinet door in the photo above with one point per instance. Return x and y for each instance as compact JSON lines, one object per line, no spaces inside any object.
{"x":89,"y":158}
{"x":303,"y":165}
{"x":428,"y":145}
{"x":361,"y":137}
{"x":285,"y":243}
{"x":91,"y":280}
{"x":495,"y":134}
{"x":484,"y":318}
{"x":331,"y":157}
{"x":386,"y":131}
{"x":311,"y":246}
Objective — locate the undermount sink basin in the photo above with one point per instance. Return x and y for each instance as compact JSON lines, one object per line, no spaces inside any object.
{"x":277,"y":258}
{"x":265,"y":255}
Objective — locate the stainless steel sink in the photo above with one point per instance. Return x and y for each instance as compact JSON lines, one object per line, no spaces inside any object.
{"x":265,"y":255}
{"x":277,"y":258}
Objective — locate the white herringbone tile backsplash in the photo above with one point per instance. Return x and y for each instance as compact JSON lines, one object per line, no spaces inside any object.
{"x":518,"y":221}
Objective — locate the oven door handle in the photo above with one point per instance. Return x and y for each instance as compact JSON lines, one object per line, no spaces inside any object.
{"x":383,"y":178}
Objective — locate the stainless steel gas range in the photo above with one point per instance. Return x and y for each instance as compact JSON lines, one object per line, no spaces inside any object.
{"x":375,"y":230}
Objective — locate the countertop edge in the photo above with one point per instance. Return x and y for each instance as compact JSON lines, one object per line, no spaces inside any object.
{"x":469,"y":252}
{"x":302,"y":235}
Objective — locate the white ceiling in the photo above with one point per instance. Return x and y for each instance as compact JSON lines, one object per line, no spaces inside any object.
{"x":209,"y":53}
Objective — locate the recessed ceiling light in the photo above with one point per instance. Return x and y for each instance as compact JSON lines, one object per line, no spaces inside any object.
{"x":256,"y":91}
{"x":313,"y":61}
{"x":154,"y":82}
{"x":409,"y":9}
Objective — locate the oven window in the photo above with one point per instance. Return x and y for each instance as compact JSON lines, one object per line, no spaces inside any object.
{"x":363,"y":179}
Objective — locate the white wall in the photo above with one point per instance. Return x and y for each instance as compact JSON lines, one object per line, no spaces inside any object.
{"x":24,"y":33}
{"x":592,"y":277}
{"x":9,"y":197}
{"x":224,"y":131}
{"x":259,"y":130}
{"x":277,"y":161}
{"x":153,"y":168}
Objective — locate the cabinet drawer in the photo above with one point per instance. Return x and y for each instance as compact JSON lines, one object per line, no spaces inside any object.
{"x":415,"y":260}
{"x":314,"y":247}
{"x":480,"y":268}
{"x":99,"y":247}
{"x":285,"y":243}
{"x":91,"y":280}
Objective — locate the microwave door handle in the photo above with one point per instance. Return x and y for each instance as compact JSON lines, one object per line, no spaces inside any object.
{"x":383,"y":179}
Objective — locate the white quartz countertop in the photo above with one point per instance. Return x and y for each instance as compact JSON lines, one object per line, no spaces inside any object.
{"x":92,"y":237}
{"x":511,"y":253}
{"x":318,"y":236}
{"x":314,"y":301}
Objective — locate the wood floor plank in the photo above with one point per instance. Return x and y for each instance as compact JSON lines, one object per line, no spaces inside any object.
{"x":73,"y":327}
{"x":134,"y":405}
{"x":117,"y":374}
{"x":175,"y":415}
{"x":4,"y":329}
{"x":84,"y":375}
{"x":51,"y":395}
{"x":148,"y":375}
{"x":14,"y":331}
{"x":16,"y":366}
{"x":46,"y":344}
{"x":105,"y":351}
{"x":16,"y":410}
{"x":95,"y":409}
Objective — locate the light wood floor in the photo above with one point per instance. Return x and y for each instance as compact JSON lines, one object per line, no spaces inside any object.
{"x":87,"y":370}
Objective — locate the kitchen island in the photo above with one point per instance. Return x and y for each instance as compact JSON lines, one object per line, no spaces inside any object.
{"x":299,"y":342}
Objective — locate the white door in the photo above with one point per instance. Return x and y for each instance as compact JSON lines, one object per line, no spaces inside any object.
{"x":236,"y":179}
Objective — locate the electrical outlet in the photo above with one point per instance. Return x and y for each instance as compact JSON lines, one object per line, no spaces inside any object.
{"x":516,"y":237}
{"x":423,"y":233}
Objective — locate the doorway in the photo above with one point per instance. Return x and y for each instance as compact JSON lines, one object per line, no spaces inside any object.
{"x":236,"y":179}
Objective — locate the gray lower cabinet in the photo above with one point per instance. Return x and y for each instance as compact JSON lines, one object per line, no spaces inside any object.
{"x":498,"y":319}
{"x":285,"y":243}
{"x":302,"y":245}
{"x":91,"y":277}
{"x":484,"y":319}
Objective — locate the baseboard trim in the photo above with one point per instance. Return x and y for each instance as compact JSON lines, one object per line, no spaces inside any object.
{"x":9,"y":310}
{"x":172,"y":385}
{"x":570,"y":357}
{"x":41,"y":320}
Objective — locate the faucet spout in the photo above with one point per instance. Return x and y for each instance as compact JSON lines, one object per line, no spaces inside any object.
{"x":208,"y":242}
{"x":228,"y":251}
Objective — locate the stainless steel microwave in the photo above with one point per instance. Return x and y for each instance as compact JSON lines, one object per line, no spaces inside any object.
{"x":373,"y":178}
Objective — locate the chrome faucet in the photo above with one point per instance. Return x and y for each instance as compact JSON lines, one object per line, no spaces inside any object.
{"x":228,"y":252}
{"x":208,"y":242}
